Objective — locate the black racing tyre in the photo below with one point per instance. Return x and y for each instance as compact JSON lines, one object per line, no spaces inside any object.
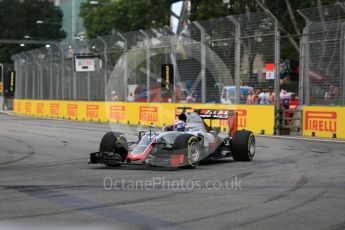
{"x":243,"y":146}
{"x":116,"y":143}
{"x":190,"y":146}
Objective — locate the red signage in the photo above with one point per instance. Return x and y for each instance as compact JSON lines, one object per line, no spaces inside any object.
{"x":92,"y":111}
{"x":28,"y":107}
{"x":40,"y":108}
{"x":72,"y":110}
{"x":321,"y":121}
{"x":148,"y":113}
{"x":117,"y":112}
{"x":54,"y":109}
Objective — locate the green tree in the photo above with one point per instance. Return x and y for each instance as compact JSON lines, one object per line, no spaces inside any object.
{"x":290,"y":22}
{"x":18,"y":19}
{"x":124,"y":15}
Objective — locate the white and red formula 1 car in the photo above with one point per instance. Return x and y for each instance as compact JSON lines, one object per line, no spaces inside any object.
{"x":183,"y":149}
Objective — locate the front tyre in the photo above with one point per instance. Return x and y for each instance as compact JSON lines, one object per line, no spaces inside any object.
{"x":243,"y":146}
{"x":190,"y":146}
{"x":115,"y":143}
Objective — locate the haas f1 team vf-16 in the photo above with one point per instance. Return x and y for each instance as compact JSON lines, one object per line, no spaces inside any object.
{"x":184,"y":149}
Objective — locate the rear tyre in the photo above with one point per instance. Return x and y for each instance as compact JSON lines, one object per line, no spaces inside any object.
{"x":189,"y":145}
{"x":115,"y":142}
{"x":243,"y":146}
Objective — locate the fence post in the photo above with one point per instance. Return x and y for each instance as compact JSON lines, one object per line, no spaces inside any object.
{"x":41,"y":78}
{"x":50,"y":52}
{"x":125,"y":74}
{"x":105,"y":76}
{"x":276,"y":59}
{"x":21,"y":93}
{"x":203,"y":61}
{"x":62,"y":53}
{"x":306,"y":61}
{"x":148,"y":63}
{"x":26,"y":75}
{"x":33,"y":95}
{"x":237,"y":57}
{"x":301,"y":75}
{"x":88,"y":75}
{"x":306,"y":72}
{"x":39,"y":74}
{"x":62,"y":73}
{"x":16,"y":60}
{"x":174,"y":63}
{"x":74,"y":73}
{"x":342,"y":56}
{"x":279,"y":114}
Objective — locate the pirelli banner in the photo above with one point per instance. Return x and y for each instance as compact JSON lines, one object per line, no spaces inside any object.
{"x":258,"y":118}
{"x":324,"y":121}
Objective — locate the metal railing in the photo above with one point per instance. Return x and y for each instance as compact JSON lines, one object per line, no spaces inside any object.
{"x":216,"y":60}
{"x":322,"y":78}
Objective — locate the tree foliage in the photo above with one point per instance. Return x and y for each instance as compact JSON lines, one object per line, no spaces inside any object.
{"x":290,"y":22}
{"x":18,"y":19}
{"x":129,"y":15}
{"x":123,"y":15}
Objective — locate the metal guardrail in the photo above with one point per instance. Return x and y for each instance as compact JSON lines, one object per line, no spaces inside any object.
{"x":288,"y":121}
{"x":207,"y":55}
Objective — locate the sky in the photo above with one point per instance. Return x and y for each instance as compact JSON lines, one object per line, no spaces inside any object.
{"x":176,"y":8}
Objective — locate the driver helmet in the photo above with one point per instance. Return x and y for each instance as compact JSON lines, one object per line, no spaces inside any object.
{"x":182,"y":117}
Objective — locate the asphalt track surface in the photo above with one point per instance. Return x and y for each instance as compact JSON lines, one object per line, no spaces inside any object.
{"x":45,"y":182}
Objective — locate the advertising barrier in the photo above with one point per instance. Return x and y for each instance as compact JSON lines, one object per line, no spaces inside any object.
{"x":324,"y":121}
{"x":257,"y":118}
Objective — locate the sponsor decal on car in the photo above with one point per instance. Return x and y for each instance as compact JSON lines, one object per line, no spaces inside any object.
{"x":149,"y":113}
{"x":322,"y":121}
{"x":220,"y":114}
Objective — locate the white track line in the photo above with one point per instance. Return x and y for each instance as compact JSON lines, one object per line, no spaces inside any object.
{"x":303,"y":138}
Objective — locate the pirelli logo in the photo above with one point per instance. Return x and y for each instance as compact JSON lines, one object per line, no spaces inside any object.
{"x":54,"y":109}
{"x":39,"y":108}
{"x":320,"y":121}
{"x":148,"y":113}
{"x":72,"y":110}
{"x":242,"y":119}
{"x":117,"y":112}
{"x":92,"y":111}
{"x":18,"y":107}
{"x":28,"y":107}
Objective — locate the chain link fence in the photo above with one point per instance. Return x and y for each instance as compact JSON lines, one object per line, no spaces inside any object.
{"x":215,"y":61}
{"x":322,"y":77}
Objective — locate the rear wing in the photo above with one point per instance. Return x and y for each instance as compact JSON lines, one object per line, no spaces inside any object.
{"x":230,"y":116}
{"x":220,"y":114}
